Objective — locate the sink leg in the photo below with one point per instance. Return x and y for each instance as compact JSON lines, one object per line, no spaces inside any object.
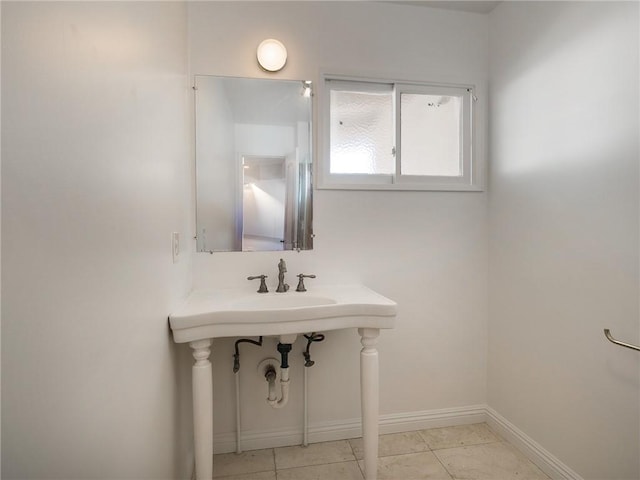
{"x":202,"y":408}
{"x":369,"y":399}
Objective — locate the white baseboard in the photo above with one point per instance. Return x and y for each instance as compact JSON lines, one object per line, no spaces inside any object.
{"x":350,"y":428}
{"x":547,"y":462}
{"x":446,"y":417}
{"x":403,"y":422}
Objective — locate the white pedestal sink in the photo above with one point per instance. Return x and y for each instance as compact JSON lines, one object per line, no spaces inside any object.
{"x":208,"y":314}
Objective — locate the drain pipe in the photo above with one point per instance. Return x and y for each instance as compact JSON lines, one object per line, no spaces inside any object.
{"x":270,"y":375}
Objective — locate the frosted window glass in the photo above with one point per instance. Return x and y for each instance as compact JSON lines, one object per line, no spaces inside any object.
{"x":361,"y":132}
{"x":430,"y":135}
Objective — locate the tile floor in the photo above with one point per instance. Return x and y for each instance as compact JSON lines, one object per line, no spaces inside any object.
{"x":470,"y":452}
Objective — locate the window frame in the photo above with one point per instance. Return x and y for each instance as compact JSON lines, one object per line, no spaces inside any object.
{"x":470,"y":163}
{"x":365,"y":87}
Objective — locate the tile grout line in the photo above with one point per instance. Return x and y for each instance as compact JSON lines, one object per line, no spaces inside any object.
{"x":469,"y":445}
{"x":434,"y":450}
{"x":353,"y":452}
{"x":421,"y":436}
{"x":424,"y":439}
{"x":274,"y":470}
{"x":275,"y":466}
{"x":316,"y":465}
{"x":443,"y":465}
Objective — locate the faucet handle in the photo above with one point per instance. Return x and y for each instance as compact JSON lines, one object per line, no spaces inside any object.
{"x":301,"y":277}
{"x":263,"y":284}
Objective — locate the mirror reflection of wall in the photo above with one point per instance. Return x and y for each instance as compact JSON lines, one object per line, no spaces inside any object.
{"x":253,"y":164}
{"x":264,"y":203}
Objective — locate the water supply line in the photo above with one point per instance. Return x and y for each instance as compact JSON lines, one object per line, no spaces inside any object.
{"x":236,"y":373}
{"x":314,"y":337}
{"x":270,"y":376}
{"x":305,"y":410}
{"x":236,"y":354}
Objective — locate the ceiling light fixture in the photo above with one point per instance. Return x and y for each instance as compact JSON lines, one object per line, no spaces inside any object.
{"x":272,"y":55}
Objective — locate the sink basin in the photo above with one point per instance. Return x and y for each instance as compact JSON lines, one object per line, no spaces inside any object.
{"x":233,"y":312}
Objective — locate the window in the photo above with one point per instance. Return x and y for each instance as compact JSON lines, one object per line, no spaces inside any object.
{"x":397,"y":136}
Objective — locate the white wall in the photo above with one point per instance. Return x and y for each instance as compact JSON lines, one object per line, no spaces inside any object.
{"x":0,"y":225}
{"x":217,"y":168}
{"x":265,"y":140}
{"x":564,"y":229}
{"x":95,"y":177}
{"x":426,"y":250}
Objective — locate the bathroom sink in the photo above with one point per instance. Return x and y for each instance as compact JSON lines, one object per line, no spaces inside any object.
{"x":231,"y":312}
{"x":241,"y":312}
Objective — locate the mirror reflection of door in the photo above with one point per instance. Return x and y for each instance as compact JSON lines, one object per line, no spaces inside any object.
{"x":267,"y":208}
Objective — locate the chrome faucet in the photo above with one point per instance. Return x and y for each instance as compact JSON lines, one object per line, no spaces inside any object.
{"x":282,"y":268}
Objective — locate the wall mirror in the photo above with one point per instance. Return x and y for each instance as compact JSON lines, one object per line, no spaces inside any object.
{"x":253,"y":164}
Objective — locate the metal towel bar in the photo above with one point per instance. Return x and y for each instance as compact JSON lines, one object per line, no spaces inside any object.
{"x":607,"y":334}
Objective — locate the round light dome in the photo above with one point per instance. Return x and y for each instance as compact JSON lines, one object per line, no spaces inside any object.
{"x":272,"y":55}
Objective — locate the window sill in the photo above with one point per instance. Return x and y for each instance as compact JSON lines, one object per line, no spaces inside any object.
{"x":421,"y":187}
